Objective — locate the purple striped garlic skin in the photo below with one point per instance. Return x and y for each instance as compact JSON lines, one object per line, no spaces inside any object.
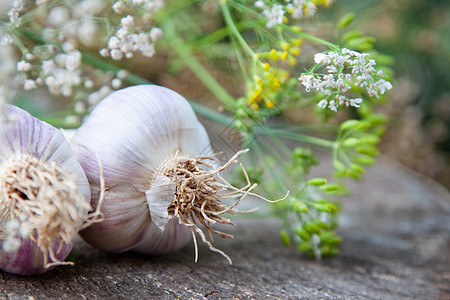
{"x":44,"y":194}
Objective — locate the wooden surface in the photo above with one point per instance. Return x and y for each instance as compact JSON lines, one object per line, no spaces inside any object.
{"x":396,"y":230}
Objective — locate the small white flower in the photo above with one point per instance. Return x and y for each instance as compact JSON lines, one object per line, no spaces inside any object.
{"x":68,"y":47}
{"x":127,"y":22}
{"x":39,"y":81}
{"x":274,"y":15}
{"x":6,"y":40}
{"x":355,"y":102}
{"x":122,"y":74}
{"x":29,"y":84}
{"x":23,"y":66}
{"x":57,"y":16}
{"x":79,"y":107}
{"x":88,"y":84}
{"x":71,"y":119}
{"x":155,"y":33}
{"x":383,"y":85}
{"x":321,"y":58}
{"x":116,"y":83}
{"x":114,"y":43}
{"x":116,"y":54}
{"x":332,"y":69}
{"x":323,"y":103}
{"x":332,"y":105}
{"x":307,"y":81}
{"x":29,"y":57}
{"x":104,"y":52}
{"x":118,"y":7}
{"x":259,"y":4}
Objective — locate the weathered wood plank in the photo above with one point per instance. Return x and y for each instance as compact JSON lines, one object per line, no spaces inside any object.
{"x":396,"y":246}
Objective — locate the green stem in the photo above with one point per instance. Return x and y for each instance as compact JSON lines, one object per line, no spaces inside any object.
{"x":232,"y":26}
{"x":211,"y":114}
{"x":261,"y":155}
{"x":309,"y":37}
{"x":295,"y":136}
{"x":104,"y":65}
{"x":185,"y":53}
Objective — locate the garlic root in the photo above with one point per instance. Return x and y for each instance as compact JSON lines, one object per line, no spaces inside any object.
{"x":199,"y":192}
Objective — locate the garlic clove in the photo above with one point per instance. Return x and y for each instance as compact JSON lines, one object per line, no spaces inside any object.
{"x":125,"y":219}
{"x":27,"y":259}
{"x":174,"y":237}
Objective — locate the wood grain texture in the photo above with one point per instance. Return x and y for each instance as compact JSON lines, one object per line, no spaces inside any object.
{"x":396,"y":230}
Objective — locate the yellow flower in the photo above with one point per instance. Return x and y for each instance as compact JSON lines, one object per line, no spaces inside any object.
{"x":254,"y":106}
{"x":270,"y":104}
{"x":255,"y":97}
{"x":295,"y":51}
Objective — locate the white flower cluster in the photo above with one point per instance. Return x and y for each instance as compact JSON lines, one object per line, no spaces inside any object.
{"x":301,"y":8}
{"x":346,"y":68}
{"x":149,"y":6}
{"x":14,"y":12}
{"x":128,"y":39}
{"x":9,"y":81}
{"x":60,"y":74}
{"x":275,"y":13}
{"x":75,"y":23}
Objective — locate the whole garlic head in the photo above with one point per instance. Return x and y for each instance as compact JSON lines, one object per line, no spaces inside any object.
{"x":44,"y":194}
{"x":139,"y":133}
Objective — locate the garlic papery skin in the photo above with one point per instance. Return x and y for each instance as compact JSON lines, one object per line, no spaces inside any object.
{"x":148,"y":138}
{"x":44,"y":194}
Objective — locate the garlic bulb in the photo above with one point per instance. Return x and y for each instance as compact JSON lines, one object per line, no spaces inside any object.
{"x":44,"y":194}
{"x":159,"y":180}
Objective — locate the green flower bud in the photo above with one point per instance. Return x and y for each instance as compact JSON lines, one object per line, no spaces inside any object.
{"x":363,"y":125}
{"x":239,"y":125}
{"x":370,"y":139}
{"x":304,"y":247}
{"x":339,"y":166}
{"x":345,"y":20}
{"x":351,"y":142}
{"x":321,"y":224}
{"x":301,"y":232}
{"x":349,"y":124}
{"x":330,"y":238}
{"x":351,"y":34}
{"x":322,"y":207}
{"x":285,"y":238}
{"x":357,"y":168}
{"x":300,"y":206}
{"x":240,"y":113}
{"x":312,"y":228}
{"x":365,"y":160}
{"x":354,"y":174}
{"x":367,"y":149}
{"x":330,"y":187}
{"x":317,"y":181}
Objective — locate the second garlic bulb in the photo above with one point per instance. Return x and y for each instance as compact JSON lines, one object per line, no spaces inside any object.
{"x":141,"y":135}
